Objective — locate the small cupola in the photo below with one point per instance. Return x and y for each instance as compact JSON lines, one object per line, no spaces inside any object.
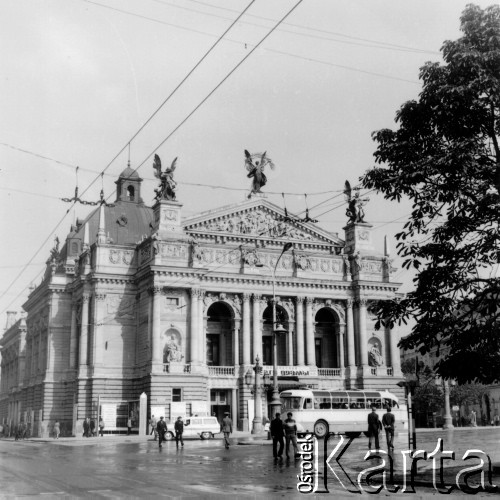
{"x":128,"y":186}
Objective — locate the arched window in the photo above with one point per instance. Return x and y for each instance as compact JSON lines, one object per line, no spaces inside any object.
{"x":131,"y":193}
{"x":325,"y":339}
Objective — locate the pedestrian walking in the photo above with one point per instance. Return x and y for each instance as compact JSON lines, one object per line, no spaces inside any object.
{"x":277,"y":432}
{"x":86,"y":427}
{"x":226,"y":428}
{"x":161,"y":429}
{"x":101,"y":427}
{"x":152,"y":423}
{"x":57,"y":429}
{"x":291,"y":435}
{"x":92,"y":427}
{"x":179,"y":430}
{"x":129,"y":426}
{"x":374,"y":427}
{"x":388,"y":421}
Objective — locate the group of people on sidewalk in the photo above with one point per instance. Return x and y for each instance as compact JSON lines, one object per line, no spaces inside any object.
{"x":375,"y":426}
{"x":89,"y":429}
{"x":284,"y":429}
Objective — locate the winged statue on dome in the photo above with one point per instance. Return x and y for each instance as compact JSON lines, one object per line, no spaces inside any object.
{"x":166,"y":189}
{"x":255,"y":164}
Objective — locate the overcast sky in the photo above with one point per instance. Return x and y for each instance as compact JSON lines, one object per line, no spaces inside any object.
{"x":79,"y":79}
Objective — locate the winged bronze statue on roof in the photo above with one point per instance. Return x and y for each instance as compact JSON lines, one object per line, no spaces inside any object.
{"x":166,"y":189}
{"x":355,"y":204}
{"x":255,"y":164}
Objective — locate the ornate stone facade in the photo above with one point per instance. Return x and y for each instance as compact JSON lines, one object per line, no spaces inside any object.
{"x":180,"y":309}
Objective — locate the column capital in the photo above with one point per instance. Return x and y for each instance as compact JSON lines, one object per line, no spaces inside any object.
{"x":155,"y":290}
{"x":361,"y":302}
{"x":256,"y":297}
{"x":195,"y":292}
{"x":309,"y":300}
{"x":246,"y":296}
{"x":85,"y":297}
{"x":349,"y":303}
{"x":299,"y":299}
{"x":100,"y":296}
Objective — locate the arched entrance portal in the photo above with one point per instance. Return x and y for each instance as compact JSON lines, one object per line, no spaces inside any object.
{"x":325,"y":339}
{"x":219,"y":335}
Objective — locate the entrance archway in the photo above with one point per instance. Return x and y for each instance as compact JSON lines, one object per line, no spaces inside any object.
{"x":219,"y":337}
{"x":325,"y":339}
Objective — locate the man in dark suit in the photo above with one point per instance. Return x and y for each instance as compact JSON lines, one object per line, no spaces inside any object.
{"x":374,"y":427}
{"x":388,"y":421}
{"x":161,"y":428}
{"x":277,"y":433}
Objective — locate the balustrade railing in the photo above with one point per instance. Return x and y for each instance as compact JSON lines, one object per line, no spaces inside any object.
{"x":166,"y":368}
{"x":221,"y":370}
{"x":329,"y":372}
{"x":390,"y":371}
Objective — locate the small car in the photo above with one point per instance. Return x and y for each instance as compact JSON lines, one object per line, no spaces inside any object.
{"x":204,"y":427}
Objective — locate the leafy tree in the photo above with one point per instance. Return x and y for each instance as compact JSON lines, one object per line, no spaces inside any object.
{"x":445,"y":157}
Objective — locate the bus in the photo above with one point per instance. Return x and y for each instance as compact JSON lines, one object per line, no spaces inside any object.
{"x":340,"y":412}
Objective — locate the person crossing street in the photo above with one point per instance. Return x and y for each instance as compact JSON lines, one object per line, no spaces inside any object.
{"x":161,"y":429}
{"x":179,"y":430}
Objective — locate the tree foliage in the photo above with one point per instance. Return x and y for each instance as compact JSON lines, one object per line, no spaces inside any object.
{"x":445,"y":157}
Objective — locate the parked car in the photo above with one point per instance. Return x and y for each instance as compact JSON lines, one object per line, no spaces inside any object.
{"x":204,"y":427}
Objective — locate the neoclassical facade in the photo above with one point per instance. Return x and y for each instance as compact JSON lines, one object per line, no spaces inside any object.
{"x":142,"y":300}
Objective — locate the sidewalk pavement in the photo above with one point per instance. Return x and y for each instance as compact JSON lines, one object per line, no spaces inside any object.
{"x":458,"y":440}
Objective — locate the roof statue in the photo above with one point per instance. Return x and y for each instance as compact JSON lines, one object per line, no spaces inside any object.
{"x":166,"y":189}
{"x":255,"y":164}
{"x":354,"y":210}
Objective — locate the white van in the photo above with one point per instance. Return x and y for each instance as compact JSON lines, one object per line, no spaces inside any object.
{"x":204,"y":427}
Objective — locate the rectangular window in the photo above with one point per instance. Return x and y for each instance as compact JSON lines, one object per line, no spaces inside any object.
{"x":172,"y":301}
{"x":176,"y":394}
{"x":213,"y":350}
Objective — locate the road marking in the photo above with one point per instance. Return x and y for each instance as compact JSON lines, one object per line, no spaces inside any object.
{"x":54,"y":493}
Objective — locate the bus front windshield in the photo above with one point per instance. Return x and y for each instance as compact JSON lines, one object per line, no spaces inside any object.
{"x":291,"y":403}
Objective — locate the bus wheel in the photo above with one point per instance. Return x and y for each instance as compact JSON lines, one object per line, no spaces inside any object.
{"x":321,"y":428}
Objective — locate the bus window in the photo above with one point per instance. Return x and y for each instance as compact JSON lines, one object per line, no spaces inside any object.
{"x":339,"y":403}
{"x":322,"y":400}
{"x":291,"y":403}
{"x":357,"y":403}
{"x":308,"y":404}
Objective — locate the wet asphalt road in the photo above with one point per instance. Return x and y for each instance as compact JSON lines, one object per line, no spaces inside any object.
{"x":136,"y":468}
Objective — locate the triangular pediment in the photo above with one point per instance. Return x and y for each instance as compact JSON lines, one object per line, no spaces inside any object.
{"x":257,"y":219}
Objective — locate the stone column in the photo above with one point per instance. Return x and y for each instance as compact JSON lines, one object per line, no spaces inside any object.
{"x":351,"y":359}
{"x":73,"y":335}
{"x":340,"y":337}
{"x":290,"y":344}
{"x":257,"y":330}
{"x":84,"y":332}
{"x":234,"y":407}
{"x":363,"y":336}
{"x":299,"y":301}
{"x":246,"y":329}
{"x":195,"y":327}
{"x":394,"y":352}
{"x":310,"y":352}
{"x":236,"y":342}
{"x":97,"y":330}
{"x":156,"y":354}
{"x":202,"y":339}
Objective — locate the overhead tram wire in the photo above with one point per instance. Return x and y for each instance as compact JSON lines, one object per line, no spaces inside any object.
{"x":121,"y":151}
{"x":171,"y":93}
{"x":359,"y":42}
{"x":165,"y":140}
{"x":200,"y":104}
{"x":388,"y":44}
{"x":239,"y":42}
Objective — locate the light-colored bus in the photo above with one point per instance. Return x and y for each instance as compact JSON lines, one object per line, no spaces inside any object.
{"x":341,"y":412}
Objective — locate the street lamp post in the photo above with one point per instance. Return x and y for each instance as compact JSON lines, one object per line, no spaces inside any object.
{"x":448,"y":419}
{"x":277,"y":329}
{"x":257,"y":420}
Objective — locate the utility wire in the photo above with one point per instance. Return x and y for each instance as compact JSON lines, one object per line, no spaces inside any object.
{"x":239,"y":42}
{"x":175,"y":129}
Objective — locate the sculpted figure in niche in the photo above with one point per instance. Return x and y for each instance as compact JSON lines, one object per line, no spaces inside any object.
{"x":374,"y":356}
{"x":172,"y":352}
